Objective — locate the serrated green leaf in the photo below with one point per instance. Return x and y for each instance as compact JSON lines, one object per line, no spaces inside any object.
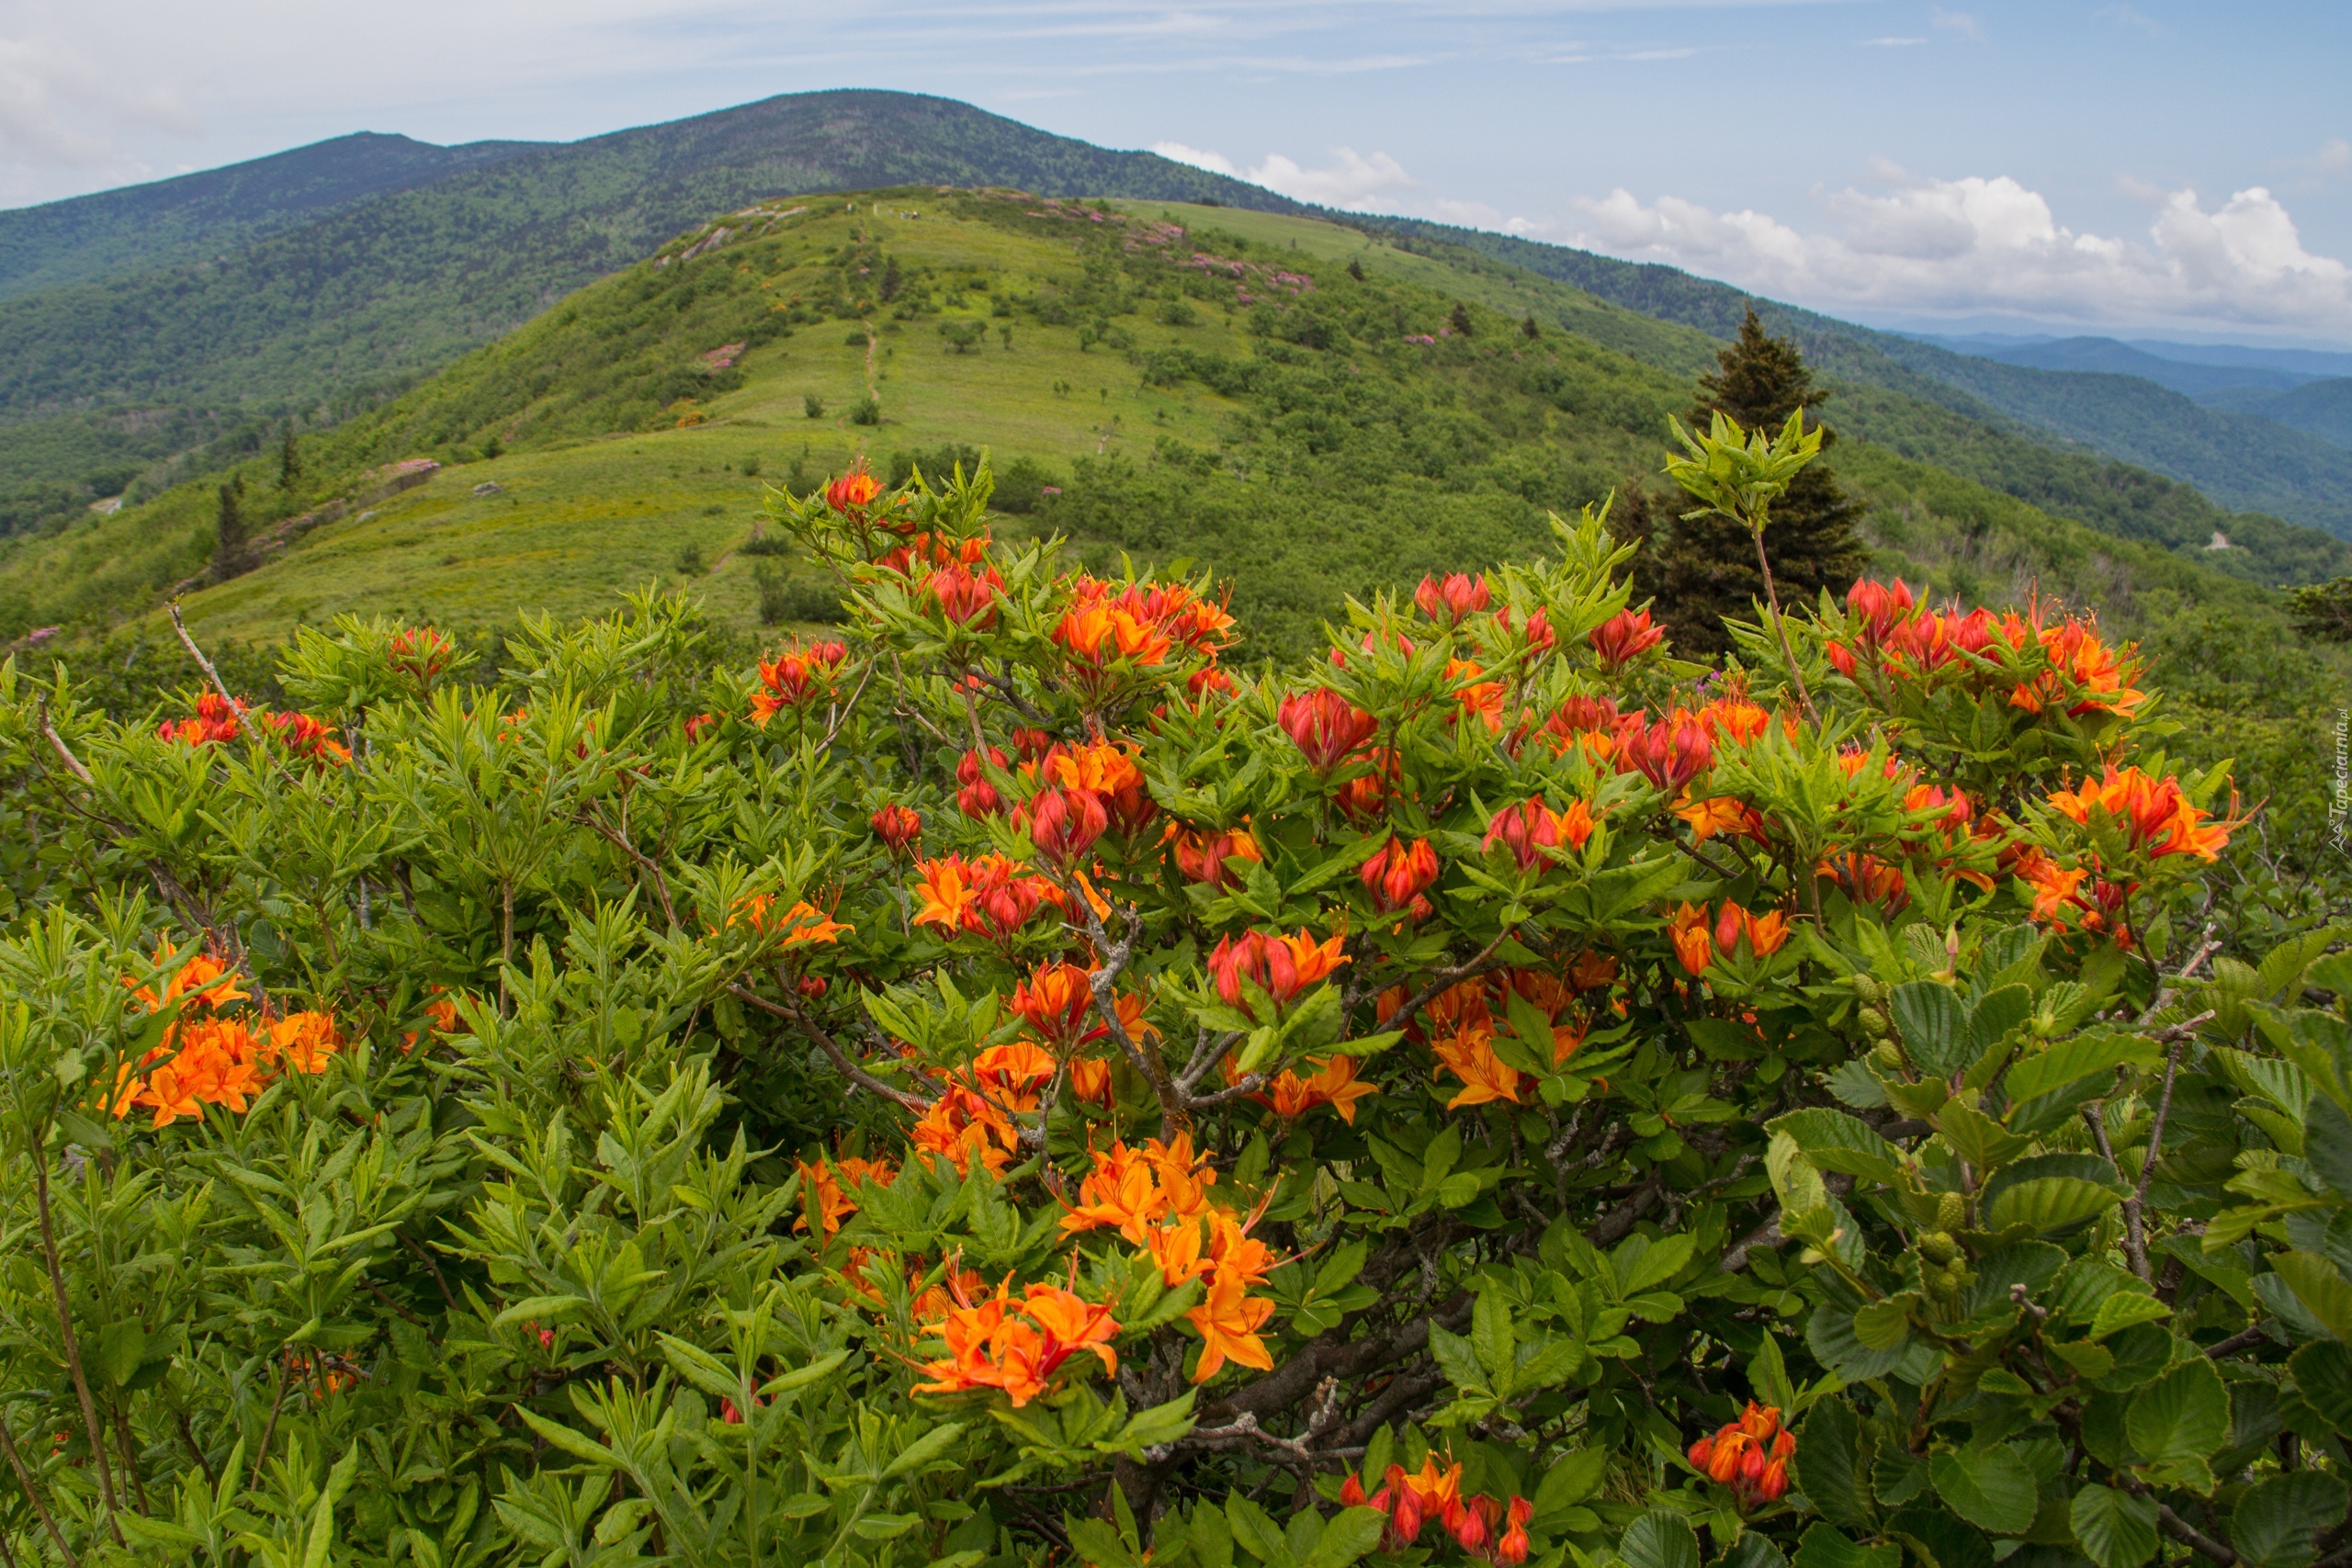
{"x":1659,"y":1539}
{"x":1829,"y":1465}
{"x":2183,"y":1415}
{"x":2323,"y":1379}
{"x":1826,"y":1547}
{"x":1991,"y":1488}
{"x":2116,"y":1529}
{"x":2050,"y":1205}
{"x":2276,"y":1523}
{"x":2124,"y":1309}
{"x":1832,"y":1141}
{"x":1927,"y":1016}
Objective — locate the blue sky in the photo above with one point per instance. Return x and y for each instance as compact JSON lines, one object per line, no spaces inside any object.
{"x":2145,"y":166}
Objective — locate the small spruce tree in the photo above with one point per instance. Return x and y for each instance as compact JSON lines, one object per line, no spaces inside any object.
{"x":232,"y":547}
{"x":289,"y":461}
{"x":1461,"y":320}
{"x":1704,"y":568}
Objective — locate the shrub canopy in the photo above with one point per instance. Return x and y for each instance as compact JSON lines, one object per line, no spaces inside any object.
{"x":1002,"y":1084}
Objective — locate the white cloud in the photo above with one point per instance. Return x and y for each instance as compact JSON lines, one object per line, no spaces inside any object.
{"x":61,"y":115}
{"x":1891,"y":42}
{"x":2335,"y":156}
{"x":1350,"y":182}
{"x":1979,"y":244}
{"x":1966,"y":24}
{"x":2125,"y":17}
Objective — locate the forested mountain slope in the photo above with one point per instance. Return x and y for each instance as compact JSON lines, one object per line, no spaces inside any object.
{"x":1308,"y":413}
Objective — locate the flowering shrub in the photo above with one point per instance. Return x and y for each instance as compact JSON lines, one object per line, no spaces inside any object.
{"x":1012,"y":1085}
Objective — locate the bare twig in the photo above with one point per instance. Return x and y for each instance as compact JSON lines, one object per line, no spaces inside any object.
{"x":825,"y":1043}
{"x":1444,"y":978}
{"x":2188,"y":1535}
{"x":197,"y":654}
{"x":65,"y":753}
{"x":2237,"y":1342}
{"x":2135,"y":1234}
{"x":72,"y":1345}
{"x":32,"y":1496}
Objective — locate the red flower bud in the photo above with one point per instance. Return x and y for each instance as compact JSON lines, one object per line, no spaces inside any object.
{"x":1064,"y":822}
{"x":897,"y":825}
{"x":1458,"y":596}
{"x":1326,"y":727}
{"x":1624,"y":635}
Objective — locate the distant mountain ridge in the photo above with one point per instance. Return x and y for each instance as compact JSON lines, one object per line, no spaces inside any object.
{"x":201,"y":216}
{"x":2106,"y":355}
{"x":402,"y":268}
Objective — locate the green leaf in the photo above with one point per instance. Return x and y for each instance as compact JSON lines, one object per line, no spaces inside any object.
{"x":1098,"y":1544}
{"x":1824,"y":1547}
{"x":2051,"y":1204}
{"x":699,"y":1367}
{"x":2183,"y":1415}
{"x":2319,"y":1287}
{"x":1829,"y":1465}
{"x":924,"y":1449}
{"x":2116,"y":1529}
{"x":2324,"y":1377}
{"x":2278,"y":1519}
{"x":1832,"y":1141}
{"x":1349,"y":1534}
{"x":2123,"y":1309}
{"x":1927,"y":1015}
{"x":2327,"y":1144}
{"x":1996,"y":1013}
{"x":1991,"y":1488}
{"x":1659,"y":1539}
{"x":1976,"y":1137}
{"x":2071,"y":1060}
{"x":541,"y":1310}
{"x":1492,"y":1338}
{"x":120,"y":1349}
{"x":1886,"y":1324}
{"x":1570,"y":1482}
{"x":1256,"y":1532}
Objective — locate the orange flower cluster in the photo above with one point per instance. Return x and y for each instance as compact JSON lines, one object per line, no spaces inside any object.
{"x":420,"y":653}
{"x":898,"y":827}
{"x":2154,"y":815}
{"x":1280,"y":966}
{"x":2064,"y":665}
{"x":219,"y":721}
{"x":1749,"y":1455}
{"x":1669,"y":753}
{"x":796,"y":678}
{"x":1397,"y":874}
{"x":823,"y":1184}
{"x":211,"y":1060}
{"x":801,"y":924}
{"x":1157,"y":1197}
{"x":1334,"y":1083}
{"x":964,"y":1123}
{"x":854,"y":489}
{"x":1479,"y":699}
{"x":989,"y":897}
{"x":1488,"y":1529}
{"x":1624,"y":636}
{"x":1203,"y":857}
{"x":1696,"y":941}
{"x":1146,"y":624}
{"x":1452,"y":601}
{"x":1532,"y":827}
{"x":1326,"y":727}
{"x":1016,"y":1346}
{"x":966,"y":597}
{"x":1462,"y":1023}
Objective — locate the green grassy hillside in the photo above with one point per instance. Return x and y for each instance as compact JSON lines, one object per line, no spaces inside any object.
{"x":2094,"y":447}
{"x":1280,"y":399}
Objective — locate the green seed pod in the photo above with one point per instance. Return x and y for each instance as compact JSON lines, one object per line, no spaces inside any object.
{"x":1871,"y":993}
{"x":1937,"y":1248}
{"x":1872,"y":1022}
{"x":1952,"y":1212}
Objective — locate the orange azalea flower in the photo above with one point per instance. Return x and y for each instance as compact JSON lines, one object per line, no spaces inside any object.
{"x":1107,"y":771}
{"x":2154,"y":814}
{"x":1135,"y":1188}
{"x":803,"y":923}
{"x":1750,"y":1455}
{"x":1485,"y":1076}
{"x":1228,"y":1322}
{"x":1483,"y":699}
{"x":824,"y":1181}
{"x":1201,"y":857}
{"x":1017,"y":1345}
{"x":853,"y":490}
{"x":1867,"y":880}
{"x":1396,"y":875}
{"x":1687,"y":930}
{"x":962,"y":1124}
{"x":2054,"y":891}
{"x":1282,"y":966}
{"x":1720,"y":814}
{"x":304,"y":1041}
{"x":204,"y":980}
{"x":1734,"y":720}
{"x":1090,"y":1082}
{"x":989,"y":897}
{"x":1176,"y":1249}
{"x":1335,"y":1086}
{"x":1592,"y":971}
{"x":945,"y":896}
{"x":796,"y":678}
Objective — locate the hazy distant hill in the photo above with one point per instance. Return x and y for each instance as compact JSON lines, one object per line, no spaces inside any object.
{"x":2322,"y":408}
{"x":2106,"y":355}
{"x":203,"y":217}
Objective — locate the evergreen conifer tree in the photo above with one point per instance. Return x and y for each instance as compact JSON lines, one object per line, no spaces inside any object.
{"x":233,"y":549}
{"x":1704,"y":568}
